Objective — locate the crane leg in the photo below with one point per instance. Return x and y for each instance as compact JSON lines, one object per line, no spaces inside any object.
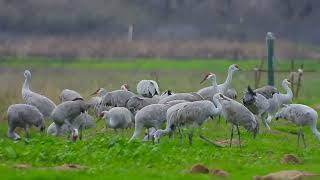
{"x":298,"y":140}
{"x":26,"y":130}
{"x":239,"y":136}
{"x":206,"y":139}
{"x":180,"y":135}
{"x":264,"y":120}
{"x":80,"y":132}
{"x":57,"y":130}
{"x":302,"y":135}
{"x":12,"y":134}
{"x":270,"y":116}
{"x":190,"y":135}
{"x":231,"y":135}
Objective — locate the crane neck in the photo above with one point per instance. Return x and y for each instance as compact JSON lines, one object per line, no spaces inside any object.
{"x":288,"y":90}
{"x":227,"y":82}
{"x":217,"y":106}
{"x":214,"y":83}
{"x":26,"y":84}
{"x":315,"y":130}
{"x":103,"y":93}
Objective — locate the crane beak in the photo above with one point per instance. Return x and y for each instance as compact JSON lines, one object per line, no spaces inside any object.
{"x":203,"y":80}
{"x":206,"y":77}
{"x":96,"y":92}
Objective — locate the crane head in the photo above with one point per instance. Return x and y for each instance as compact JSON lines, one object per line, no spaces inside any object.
{"x":208,"y":76}
{"x":27,"y":74}
{"x":287,"y":81}
{"x":125,"y":87}
{"x":234,"y":67}
{"x":96,"y":92}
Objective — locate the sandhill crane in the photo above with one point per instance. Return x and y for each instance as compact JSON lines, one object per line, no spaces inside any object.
{"x":278,"y":100}
{"x":148,"y":88}
{"x":191,"y":114}
{"x":44,"y":104}
{"x":208,"y":92}
{"x":153,"y":115}
{"x":66,"y":113}
{"x":100,"y":93}
{"x":68,"y":95}
{"x":238,"y":115}
{"x":23,"y":116}
{"x":182,"y":96}
{"x":258,"y":103}
{"x":83,"y":121}
{"x":300,"y":115}
{"x":266,"y":91}
{"x":223,"y":88}
{"x":117,"y":98}
{"x":136,"y":103}
{"x":95,"y":102}
{"x":117,"y":118}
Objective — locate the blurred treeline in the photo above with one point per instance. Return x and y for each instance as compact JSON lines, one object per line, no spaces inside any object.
{"x":294,"y":21}
{"x":238,"y":19}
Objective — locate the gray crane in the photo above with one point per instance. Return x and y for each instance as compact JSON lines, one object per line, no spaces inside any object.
{"x":191,"y":114}
{"x":135,"y":103}
{"x":182,"y":96}
{"x":66,"y":113}
{"x":279,"y":99}
{"x":223,"y":88}
{"x":117,"y":118}
{"x":238,"y":115}
{"x":117,"y":98}
{"x":208,"y":92}
{"x":23,"y":116}
{"x":68,"y":95}
{"x":44,"y":104}
{"x":153,"y":115}
{"x":95,"y":102}
{"x":148,"y":88}
{"x":250,"y":97}
{"x":259,"y":104}
{"x":300,"y":115}
{"x":83,"y":121}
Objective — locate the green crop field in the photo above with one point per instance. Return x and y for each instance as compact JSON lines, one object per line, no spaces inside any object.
{"x":108,"y":155}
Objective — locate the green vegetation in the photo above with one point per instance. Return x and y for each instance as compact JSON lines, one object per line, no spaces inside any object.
{"x":146,"y":64}
{"x":108,"y":155}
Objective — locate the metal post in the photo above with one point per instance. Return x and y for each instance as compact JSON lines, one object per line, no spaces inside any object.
{"x":270,"y":50}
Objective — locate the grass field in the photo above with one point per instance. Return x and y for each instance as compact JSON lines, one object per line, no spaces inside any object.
{"x":108,"y":155}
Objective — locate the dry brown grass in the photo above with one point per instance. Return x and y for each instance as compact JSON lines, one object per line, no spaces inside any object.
{"x":97,"y":47}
